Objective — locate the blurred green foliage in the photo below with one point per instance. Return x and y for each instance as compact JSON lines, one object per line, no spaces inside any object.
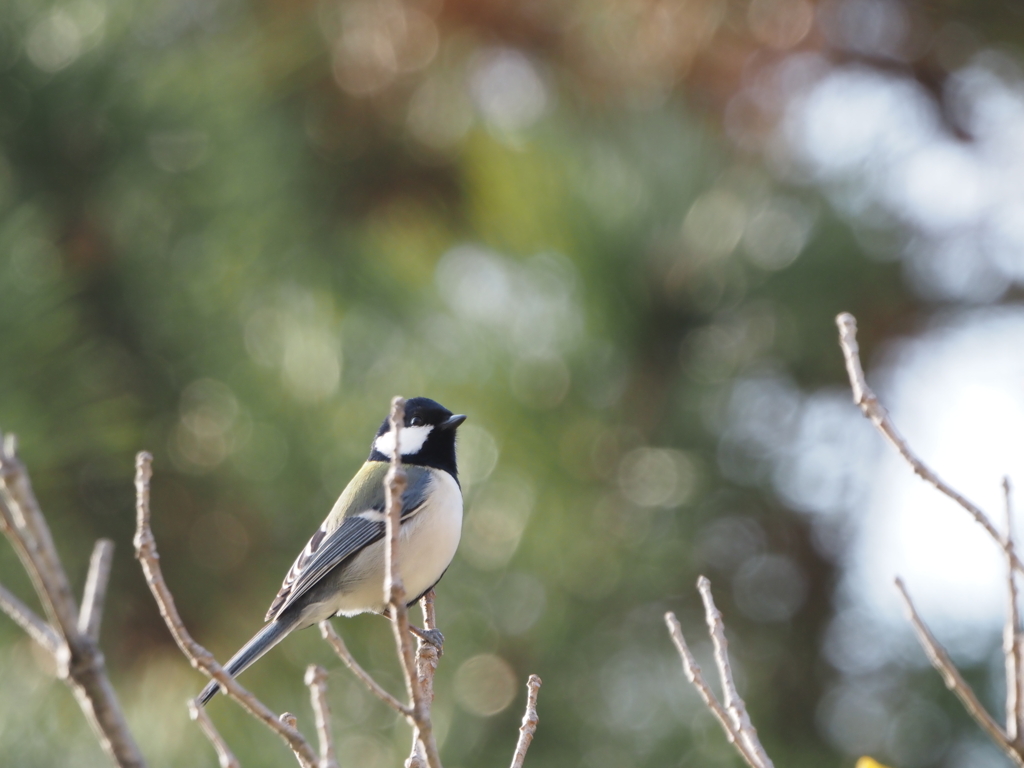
{"x":210,"y":250}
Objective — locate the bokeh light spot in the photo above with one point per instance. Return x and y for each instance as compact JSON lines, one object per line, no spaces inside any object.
{"x":312,"y":364}
{"x":495,"y":522}
{"x":508,"y":90}
{"x":777,"y":233}
{"x":485,"y":685}
{"x":204,"y":435}
{"x":657,"y":477}
{"x":54,"y":42}
{"x":715,"y":222}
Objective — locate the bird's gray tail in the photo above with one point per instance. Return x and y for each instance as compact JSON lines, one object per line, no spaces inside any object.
{"x":263,"y":641}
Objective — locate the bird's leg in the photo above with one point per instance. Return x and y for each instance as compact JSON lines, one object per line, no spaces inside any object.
{"x":432,"y":636}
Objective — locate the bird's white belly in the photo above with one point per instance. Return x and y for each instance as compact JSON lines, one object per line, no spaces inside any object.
{"x":427,"y":545}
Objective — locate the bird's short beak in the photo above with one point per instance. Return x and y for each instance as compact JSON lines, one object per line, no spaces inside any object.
{"x":453,"y":421}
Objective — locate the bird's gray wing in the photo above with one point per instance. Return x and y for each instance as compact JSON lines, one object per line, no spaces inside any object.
{"x":358,"y":529}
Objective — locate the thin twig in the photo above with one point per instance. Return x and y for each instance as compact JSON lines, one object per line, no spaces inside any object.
{"x":530,"y":720}
{"x":225,"y":757}
{"x":316,"y":681}
{"x":1012,"y":637}
{"x":954,"y":680}
{"x":693,"y":673}
{"x":95,"y":592}
{"x":334,"y":640}
{"x":877,"y":414}
{"x":731,"y":698}
{"x":27,"y":619}
{"x":198,"y":656}
{"x":80,"y":663}
{"x":394,"y":590}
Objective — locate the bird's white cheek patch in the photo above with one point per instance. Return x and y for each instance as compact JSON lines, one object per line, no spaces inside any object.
{"x":412,"y":439}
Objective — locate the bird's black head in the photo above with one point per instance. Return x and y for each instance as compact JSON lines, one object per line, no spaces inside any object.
{"x":427,"y":437}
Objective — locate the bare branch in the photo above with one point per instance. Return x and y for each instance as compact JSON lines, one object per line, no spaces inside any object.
{"x":530,"y":720}
{"x":427,"y":656}
{"x":316,"y":681}
{"x":394,"y":591}
{"x":731,"y":699}
{"x":1013,"y":640}
{"x":429,"y":612}
{"x":329,"y":634}
{"x":876,"y":413}
{"x":31,"y":537}
{"x":80,"y":664}
{"x":954,"y":680}
{"x":394,"y":588}
{"x":693,"y":673}
{"x":95,"y":592}
{"x":291,"y":721}
{"x":198,"y":656}
{"x":225,"y":757}
{"x":27,"y":619}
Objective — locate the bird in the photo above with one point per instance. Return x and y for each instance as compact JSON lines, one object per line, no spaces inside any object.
{"x":341,"y":569}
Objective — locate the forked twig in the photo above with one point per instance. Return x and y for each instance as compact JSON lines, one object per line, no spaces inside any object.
{"x":198,"y":656}
{"x":733,"y":715}
{"x":694,"y":674}
{"x":1010,"y":741}
{"x":80,"y":663}
{"x":877,"y":414}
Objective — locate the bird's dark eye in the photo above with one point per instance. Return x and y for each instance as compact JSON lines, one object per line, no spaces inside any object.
{"x":415,"y":421}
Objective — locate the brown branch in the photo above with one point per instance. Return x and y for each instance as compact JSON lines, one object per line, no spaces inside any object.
{"x":316,"y":681}
{"x":530,"y":720}
{"x":198,"y":656}
{"x":394,"y":591}
{"x":954,"y":680}
{"x":731,"y":699}
{"x":693,"y":673}
{"x":80,"y":664}
{"x":95,"y":592}
{"x":1013,"y":640}
{"x":225,"y":757}
{"x":876,"y":413}
{"x":334,"y":640}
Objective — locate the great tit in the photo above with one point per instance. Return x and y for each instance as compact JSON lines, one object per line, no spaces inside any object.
{"x":341,"y":569}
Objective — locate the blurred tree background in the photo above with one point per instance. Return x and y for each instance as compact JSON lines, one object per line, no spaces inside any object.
{"x":614,"y":233}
